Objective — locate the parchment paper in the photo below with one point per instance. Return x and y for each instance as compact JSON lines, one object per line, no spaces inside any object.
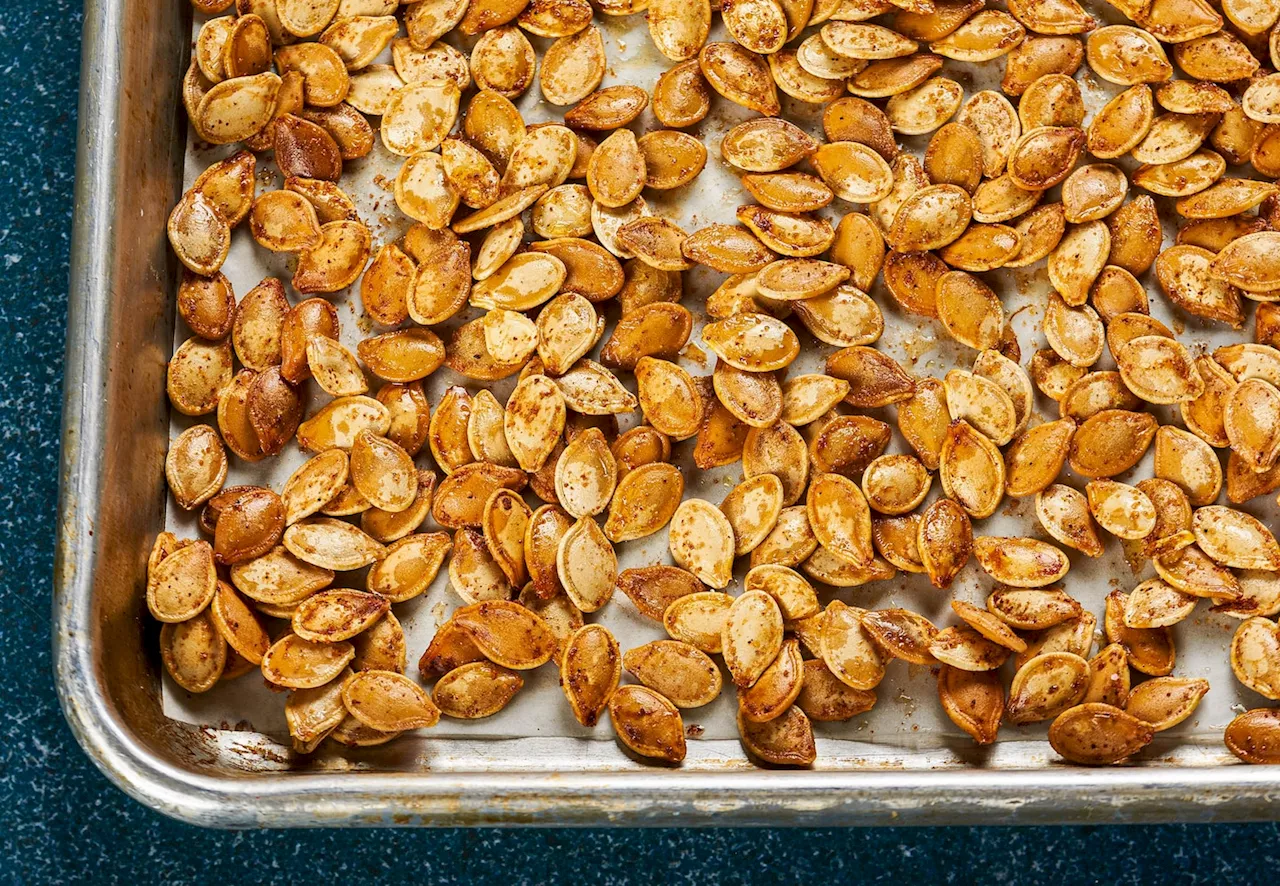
{"x":907,"y":715}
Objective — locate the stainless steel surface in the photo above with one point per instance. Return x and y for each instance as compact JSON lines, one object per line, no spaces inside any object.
{"x":112,"y":502}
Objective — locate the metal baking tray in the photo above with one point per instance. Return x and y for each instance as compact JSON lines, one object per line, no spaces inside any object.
{"x":113,"y":500}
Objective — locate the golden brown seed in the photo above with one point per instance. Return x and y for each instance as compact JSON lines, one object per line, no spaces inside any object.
{"x":1110,"y":442}
{"x":1150,"y":650}
{"x":1253,"y":736}
{"x":702,"y":541}
{"x":507,"y":633}
{"x":647,"y":723}
{"x":682,"y":673}
{"x":875,"y":378}
{"x":895,"y":484}
{"x":944,"y":541}
{"x":988,"y":625}
{"x":786,"y":740}
{"x":383,"y":472}
{"x":1021,"y":562}
{"x":195,"y":466}
{"x":973,"y":700}
{"x":971,"y":469}
{"x":824,"y":698}
{"x":589,"y":671}
{"x":1164,"y":702}
{"x":1063,"y":512}
{"x":738,"y":74}
{"x":193,"y":652}
{"x":847,"y":648}
{"x":654,"y":588}
{"x":1033,"y":609}
{"x":681,"y":97}
{"x":587,"y":565}
{"x":1046,"y":686}
{"x":475,"y":690}
{"x":182,"y":583}
{"x":901,"y":633}
{"x":969,"y":310}
{"x":1235,"y":539}
{"x":334,"y":615}
{"x":966,"y":649}
{"x":1098,"y":734}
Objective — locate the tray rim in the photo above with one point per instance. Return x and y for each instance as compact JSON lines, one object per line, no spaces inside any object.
{"x":649,"y":798}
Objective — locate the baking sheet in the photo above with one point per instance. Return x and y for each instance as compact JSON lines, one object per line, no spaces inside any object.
{"x":908,"y":721}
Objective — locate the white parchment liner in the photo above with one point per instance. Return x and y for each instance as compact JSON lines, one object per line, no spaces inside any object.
{"x":907,"y":715}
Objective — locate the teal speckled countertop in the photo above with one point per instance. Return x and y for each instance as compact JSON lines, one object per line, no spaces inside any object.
{"x":60,"y":821}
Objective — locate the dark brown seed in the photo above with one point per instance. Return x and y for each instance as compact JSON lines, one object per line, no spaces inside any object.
{"x":306,"y":149}
{"x":275,"y":410}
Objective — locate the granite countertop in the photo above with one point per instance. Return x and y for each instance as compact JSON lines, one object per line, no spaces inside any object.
{"x":61,"y":820}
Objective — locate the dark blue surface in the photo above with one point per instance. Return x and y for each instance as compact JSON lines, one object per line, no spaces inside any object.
{"x":61,"y":821}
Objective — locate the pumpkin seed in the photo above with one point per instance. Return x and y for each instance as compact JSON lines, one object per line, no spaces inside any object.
{"x":450,"y":648}
{"x":668,"y":398}
{"x":840,"y":518}
{"x":973,"y":700}
{"x":572,"y":66}
{"x":1154,"y":604}
{"x":681,"y":97}
{"x":702,"y":541}
{"x":988,"y":625}
{"x":587,"y":565}
{"x":875,"y":378}
{"x":901,"y":633}
{"x":334,"y":615}
{"x":895,"y":484}
{"x":1251,"y":736}
{"x":1097,"y":734}
{"x":1190,"y":462}
{"x":825,"y":699}
{"x":971,"y":469}
{"x":967,"y":650}
{"x":193,"y":652}
{"x":681,"y":673}
{"x":1121,"y":509}
{"x":383,"y":473}
{"x":786,"y":740}
{"x":1110,"y":442}
{"x":182,"y":583}
{"x":475,"y":690}
{"x":736,"y":73}
{"x":1235,"y":539}
{"x":1254,"y":650}
{"x":647,"y":723}
{"x":1150,"y":650}
{"x":195,"y":466}
{"x":847,"y":648}
{"x":590,"y":668}
{"x":1020,"y":562}
{"x":331,"y":544}
{"x":409,"y":567}
{"x":1189,"y":569}
{"x":1046,"y":686}
{"x":969,"y":310}
{"x":507,"y":633}
{"x":475,"y":572}
{"x":698,"y":618}
{"x":944,"y":541}
{"x":388,"y":702}
{"x":1064,"y":513}
{"x":297,"y":663}
{"x":806,"y":398}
